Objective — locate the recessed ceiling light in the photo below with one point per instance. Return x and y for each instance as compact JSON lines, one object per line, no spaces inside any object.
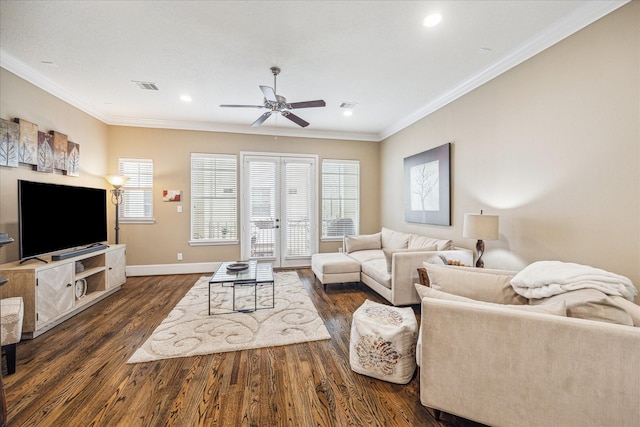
{"x":185,"y":98}
{"x":432,"y":20}
{"x":348,"y":113}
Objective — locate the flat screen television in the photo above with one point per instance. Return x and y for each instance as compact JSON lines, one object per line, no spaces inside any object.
{"x":54,"y":217}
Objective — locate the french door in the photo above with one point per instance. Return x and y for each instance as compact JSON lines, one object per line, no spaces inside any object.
{"x":279,"y":215}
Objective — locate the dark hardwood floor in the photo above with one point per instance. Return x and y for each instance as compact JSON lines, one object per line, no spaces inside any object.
{"x":76,"y":374}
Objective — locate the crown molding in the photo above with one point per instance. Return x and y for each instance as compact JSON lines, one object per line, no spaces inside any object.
{"x":586,"y":15}
{"x":27,"y":73}
{"x":243,"y":129}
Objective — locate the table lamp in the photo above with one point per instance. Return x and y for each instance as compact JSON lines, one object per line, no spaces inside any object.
{"x":481,"y":227}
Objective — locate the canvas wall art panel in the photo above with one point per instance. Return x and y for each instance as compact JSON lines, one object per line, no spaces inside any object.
{"x":28,"y":147}
{"x":45,"y":153}
{"x":59,"y":150}
{"x":427,"y":193}
{"x":73,"y":159}
{"x":9,"y":143}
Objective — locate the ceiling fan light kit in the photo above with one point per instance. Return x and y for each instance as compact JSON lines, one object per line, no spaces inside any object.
{"x":278,"y":104}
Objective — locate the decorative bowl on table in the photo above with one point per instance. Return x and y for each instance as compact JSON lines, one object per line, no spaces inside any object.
{"x":237,"y":266}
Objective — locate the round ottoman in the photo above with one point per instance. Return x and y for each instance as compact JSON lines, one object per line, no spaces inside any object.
{"x":383,"y":342}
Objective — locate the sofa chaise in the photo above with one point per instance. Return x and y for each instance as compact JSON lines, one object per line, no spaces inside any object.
{"x":488,"y":354}
{"x":387,"y":262}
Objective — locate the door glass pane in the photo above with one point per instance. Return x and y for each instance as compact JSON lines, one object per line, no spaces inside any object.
{"x":297,"y":205}
{"x":262,"y":207}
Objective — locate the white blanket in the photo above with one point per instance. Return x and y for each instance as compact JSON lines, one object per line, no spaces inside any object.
{"x":543,"y":279}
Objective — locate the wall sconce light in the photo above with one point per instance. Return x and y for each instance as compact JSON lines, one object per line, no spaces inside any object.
{"x":116,"y":196}
{"x":481,"y":227}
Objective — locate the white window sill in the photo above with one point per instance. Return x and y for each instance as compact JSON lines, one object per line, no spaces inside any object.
{"x":217,"y":242}
{"x":137,"y":220}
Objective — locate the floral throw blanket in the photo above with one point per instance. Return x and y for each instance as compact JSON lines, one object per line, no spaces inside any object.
{"x":543,"y":279}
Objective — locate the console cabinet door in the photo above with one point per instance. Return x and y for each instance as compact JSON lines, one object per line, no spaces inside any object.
{"x":116,"y":265}
{"x":54,"y":293}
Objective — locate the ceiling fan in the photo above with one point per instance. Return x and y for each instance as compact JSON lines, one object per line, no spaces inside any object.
{"x":278,"y":104}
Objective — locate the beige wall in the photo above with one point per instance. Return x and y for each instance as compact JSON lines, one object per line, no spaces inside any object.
{"x":170,"y":151}
{"x":21,"y":99}
{"x":552,"y":146}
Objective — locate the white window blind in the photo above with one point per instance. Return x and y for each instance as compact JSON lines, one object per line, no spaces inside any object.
{"x":340,"y":198}
{"x":298,"y":208}
{"x":137,"y":202}
{"x":214,"y":197}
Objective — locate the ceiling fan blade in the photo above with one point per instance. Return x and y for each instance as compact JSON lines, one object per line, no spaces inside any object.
{"x":295,"y":119}
{"x":269,"y":93}
{"x":261,"y":119}
{"x":241,"y":106}
{"x":308,"y":104}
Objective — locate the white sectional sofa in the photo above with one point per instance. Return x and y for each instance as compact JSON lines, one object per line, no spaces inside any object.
{"x":488,"y":354}
{"x":387,"y":262}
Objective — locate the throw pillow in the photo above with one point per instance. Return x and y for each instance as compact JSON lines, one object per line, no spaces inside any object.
{"x":476,"y":283}
{"x":589,"y":304}
{"x":394,"y":239}
{"x":362,"y":242}
{"x":557,"y":309}
{"x":388,"y":253}
{"x":417,"y":241}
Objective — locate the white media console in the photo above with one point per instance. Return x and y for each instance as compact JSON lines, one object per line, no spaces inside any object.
{"x":58,"y":289}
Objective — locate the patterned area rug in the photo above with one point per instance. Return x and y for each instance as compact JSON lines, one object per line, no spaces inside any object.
{"x":190,"y":331}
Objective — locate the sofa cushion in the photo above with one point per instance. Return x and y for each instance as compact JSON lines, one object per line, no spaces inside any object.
{"x":394,"y":239}
{"x":367,"y":255}
{"x":362,"y":242}
{"x":629,"y":307}
{"x":558,"y":308}
{"x":377,"y":270}
{"x":388,"y":253}
{"x":476,"y":283}
{"x":334,"y":263}
{"x":417,"y":241}
{"x":589,"y":304}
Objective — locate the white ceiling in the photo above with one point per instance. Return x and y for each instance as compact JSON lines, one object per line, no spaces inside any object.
{"x":376,"y":54}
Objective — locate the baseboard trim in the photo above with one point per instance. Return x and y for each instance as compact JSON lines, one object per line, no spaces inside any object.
{"x":164,"y":269}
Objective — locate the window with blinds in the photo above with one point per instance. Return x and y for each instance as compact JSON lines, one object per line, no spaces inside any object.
{"x":340,"y":198}
{"x":137,"y":201}
{"x":214,"y":198}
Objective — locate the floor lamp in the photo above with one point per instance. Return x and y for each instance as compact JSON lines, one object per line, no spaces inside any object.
{"x":481,"y":227}
{"x":116,"y":196}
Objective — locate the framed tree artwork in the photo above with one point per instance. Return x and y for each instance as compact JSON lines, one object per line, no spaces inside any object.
{"x":427,"y":181}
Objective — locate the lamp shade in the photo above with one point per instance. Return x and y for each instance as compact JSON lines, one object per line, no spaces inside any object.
{"x":116,"y":180}
{"x":481,"y":227}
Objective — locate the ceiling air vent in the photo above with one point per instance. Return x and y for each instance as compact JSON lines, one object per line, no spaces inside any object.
{"x":146,"y":85}
{"x":348,"y":104}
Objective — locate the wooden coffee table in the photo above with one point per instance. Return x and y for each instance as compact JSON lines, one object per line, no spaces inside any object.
{"x":257,"y":274}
